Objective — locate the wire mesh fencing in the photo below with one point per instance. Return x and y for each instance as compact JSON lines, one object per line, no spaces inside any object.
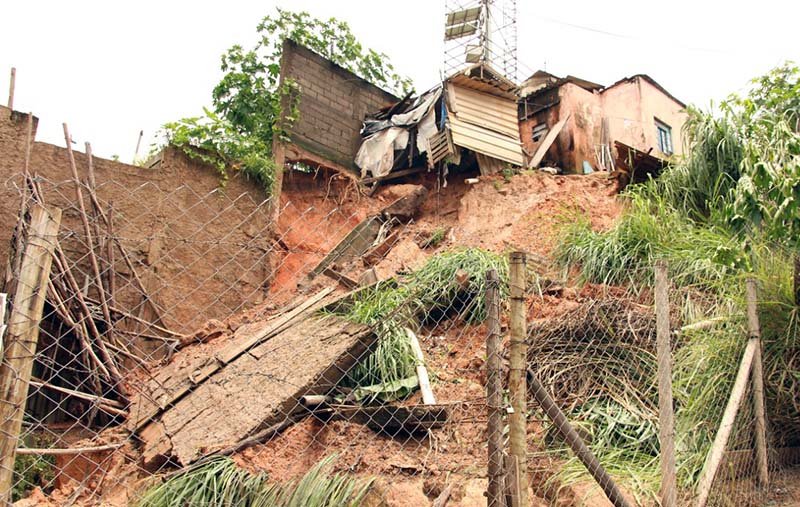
{"x":596,"y":357}
{"x":191,"y":350}
{"x":185,"y":337}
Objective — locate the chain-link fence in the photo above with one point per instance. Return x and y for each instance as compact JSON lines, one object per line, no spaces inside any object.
{"x":191,"y":351}
{"x":596,"y":352}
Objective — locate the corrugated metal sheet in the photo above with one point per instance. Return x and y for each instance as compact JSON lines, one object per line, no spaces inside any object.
{"x":485,"y":124}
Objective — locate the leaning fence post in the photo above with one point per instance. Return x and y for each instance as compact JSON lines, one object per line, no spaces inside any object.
{"x":578,"y":446}
{"x":23,"y":336}
{"x":717,"y":451}
{"x":517,"y":385}
{"x":666,"y":433}
{"x":494,"y":392}
{"x":758,"y":384}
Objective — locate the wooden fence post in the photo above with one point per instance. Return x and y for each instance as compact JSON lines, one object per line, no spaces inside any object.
{"x":666,"y":433}
{"x":758,"y":384}
{"x":517,"y":384}
{"x":11,"y":84}
{"x":23,"y":335}
{"x":797,"y":279}
{"x":494,"y":392}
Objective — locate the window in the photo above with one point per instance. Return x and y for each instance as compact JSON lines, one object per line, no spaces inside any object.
{"x":539,"y":131}
{"x":664,"y":135}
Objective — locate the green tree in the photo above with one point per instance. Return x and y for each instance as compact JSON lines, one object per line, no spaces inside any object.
{"x":238,"y":133}
{"x":742,"y":170}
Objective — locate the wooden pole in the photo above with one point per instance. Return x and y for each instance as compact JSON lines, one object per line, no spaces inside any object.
{"x":517,"y":385}
{"x":112,"y":273}
{"x":717,"y":451}
{"x":754,"y":329}
{"x":797,"y":279}
{"x":138,"y":144}
{"x":666,"y":417}
{"x":581,"y":450}
{"x":23,"y":336}
{"x":494,"y":392}
{"x":11,"y":84}
{"x":112,"y":367}
{"x":23,"y":451}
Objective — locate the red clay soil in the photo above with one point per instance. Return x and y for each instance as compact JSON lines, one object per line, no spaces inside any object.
{"x":526,"y":211}
{"x":495,"y":214}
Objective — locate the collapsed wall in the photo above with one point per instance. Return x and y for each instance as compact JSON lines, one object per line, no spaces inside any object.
{"x":332,"y":104}
{"x":201,"y":250}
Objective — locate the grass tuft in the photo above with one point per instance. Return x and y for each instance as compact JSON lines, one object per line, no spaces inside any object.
{"x":221,"y":483}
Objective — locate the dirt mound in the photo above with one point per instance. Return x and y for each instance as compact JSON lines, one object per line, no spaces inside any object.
{"x":525,"y":211}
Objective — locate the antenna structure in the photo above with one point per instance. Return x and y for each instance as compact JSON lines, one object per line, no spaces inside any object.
{"x":481,"y":31}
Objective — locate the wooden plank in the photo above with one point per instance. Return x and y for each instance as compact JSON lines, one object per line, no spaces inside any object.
{"x":338,"y":277}
{"x":169,"y":386}
{"x":357,"y":241}
{"x":394,"y":175}
{"x":265,"y":386}
{"x":11,"y":85}
{"x":23,"y":335}
{"x":666,"y":417}
{"x":548,"y":141}
{"x":3,"y":304}
{"x":392,"y":418}
{"x":422,"y":373}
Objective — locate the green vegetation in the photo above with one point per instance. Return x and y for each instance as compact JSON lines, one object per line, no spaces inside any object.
{"x":237,"y":135}
{"x":33,"y":471}
{"x":727,"y":210}
{"x":427,"y":296}
{"x":436,"y":237}
{"x":221,"y":483}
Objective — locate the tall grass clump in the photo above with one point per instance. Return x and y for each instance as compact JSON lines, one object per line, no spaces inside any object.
{"x":426,"y":296}
{"x":650,"y":229}
{"x":221,"y":483}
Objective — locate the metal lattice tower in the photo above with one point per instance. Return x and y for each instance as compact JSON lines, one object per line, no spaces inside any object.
{"x":481,"y":31}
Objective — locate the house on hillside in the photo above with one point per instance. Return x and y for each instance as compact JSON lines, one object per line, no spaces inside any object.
{"x":601,"y":127}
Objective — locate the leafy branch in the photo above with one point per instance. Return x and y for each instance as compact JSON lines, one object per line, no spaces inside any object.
{"x":249,"y":100}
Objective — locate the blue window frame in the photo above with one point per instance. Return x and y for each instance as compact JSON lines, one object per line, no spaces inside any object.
{"x":664,"y":135}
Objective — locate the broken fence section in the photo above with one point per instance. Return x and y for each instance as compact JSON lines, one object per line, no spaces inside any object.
{"x":264,"y":345}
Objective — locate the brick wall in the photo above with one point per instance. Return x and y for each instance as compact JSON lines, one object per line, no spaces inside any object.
{"x":333,"y":103}
{"x":200,"y":249}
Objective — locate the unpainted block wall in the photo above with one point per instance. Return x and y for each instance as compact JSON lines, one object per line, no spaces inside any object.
{"x":333,"y":104}
{"x":201,"y":250}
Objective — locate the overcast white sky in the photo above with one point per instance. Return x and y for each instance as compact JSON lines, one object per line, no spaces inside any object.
{"x":112,"y":68}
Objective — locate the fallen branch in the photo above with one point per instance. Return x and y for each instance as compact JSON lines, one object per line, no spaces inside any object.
{"x":78,"y":394}
{"x":66,"y":452}
{"x":89,"y":241}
